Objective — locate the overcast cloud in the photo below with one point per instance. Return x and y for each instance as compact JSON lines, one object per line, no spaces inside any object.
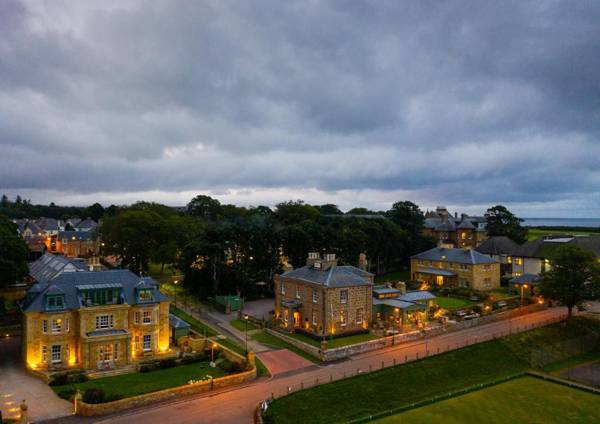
{"x":466,"y":104}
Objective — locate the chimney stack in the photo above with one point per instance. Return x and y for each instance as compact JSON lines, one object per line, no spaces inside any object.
{"x":362,"y":261}
{"x":329,"y":261}
{"x":312,"y":258}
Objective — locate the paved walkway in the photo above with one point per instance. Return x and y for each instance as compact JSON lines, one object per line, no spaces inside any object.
{"x":237,"y":404}
{"x":17,"y":384}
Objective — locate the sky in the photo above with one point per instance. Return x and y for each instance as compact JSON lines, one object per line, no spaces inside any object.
{"x":466,"y":104}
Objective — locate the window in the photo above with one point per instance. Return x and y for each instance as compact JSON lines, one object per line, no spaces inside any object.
{"x":419,"y":262}
{"x":487,"y":267}
{"x":45,"y":326}
{"x":314,"y":317}
{"x":44,"y":353}
{"x":463,"y":235}
{"x":67,"y":325}
{"x":136,"y":343}
{"x":137,"y":317}
{"x":297,"y":292}
{"x":282,"y":288}
{"x":116,"y":352}
{"x":517,"y":274}
{"x":343,"y":318}
{"x":463,"y":283}
{"x":146,"y":296}
{"x":509,"y":260}
{"x":314,"y":295}
{"x":147,"y":342}
{"x":464,"y":267}
{"x":286,"y":314}
{"x":56,"y":357}
{"x":56,"y":325}
{"x":54,"y":303}
{"x":105,"y":353}
{"x":487,"y":282}
{"x":519,"y":261}
{"x":104,"y":321}
{"x":343,"y":296}
{"x":147,"y":317}
{"x":359,"y":316}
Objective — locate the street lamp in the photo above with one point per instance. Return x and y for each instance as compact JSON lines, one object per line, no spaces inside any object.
{"x":246,"y":324}
{"x":212,"y":354}
{"x":176,"y":282}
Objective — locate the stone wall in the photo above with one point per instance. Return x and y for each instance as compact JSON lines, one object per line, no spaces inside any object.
{"x":312,"y":350}
{"x":93,"y":410}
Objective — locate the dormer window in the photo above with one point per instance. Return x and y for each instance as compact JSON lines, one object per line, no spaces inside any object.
{"x":145,"y":295}
{"x":55,"y":302}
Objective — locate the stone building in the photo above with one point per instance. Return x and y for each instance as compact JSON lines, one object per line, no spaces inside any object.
{"x":501,"y":249}
{"x":454,"y":231}
{"x":395,"y":308}
{"x":324,"y":298}
{"x":455,"y":267}
{"x":94,"y":320}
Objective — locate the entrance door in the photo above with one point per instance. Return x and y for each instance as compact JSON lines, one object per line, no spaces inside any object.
{"x":105,"y":356}
{"x":297,"y":319}
{"x":439,"y":279}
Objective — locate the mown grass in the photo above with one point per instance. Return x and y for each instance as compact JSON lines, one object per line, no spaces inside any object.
{"x":535,"y":233}
{"x":523,"y":400}
{"x":453,"y":302}
{"x":241,"y":325}
{"x":270,"y":340}
{"x":196,"y":325}
{"x":336,"y":342}
{"x":127,"y":385}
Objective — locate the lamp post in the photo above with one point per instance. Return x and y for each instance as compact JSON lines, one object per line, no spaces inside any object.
{"x":246,"y":325}
{"x":176,"y":282}
{"x":212,"y":354}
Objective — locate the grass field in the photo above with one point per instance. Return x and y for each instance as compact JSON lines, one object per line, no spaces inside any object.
{"x":524,"y":400}
{"x":393,"y":276}
{"x":240,"y":324}
{"x":337,"y":342}
{"x":534,"y":233}
{"x":453,"y":302}
{"x":266,"y":338}
{"x":368,"y":394}
{"x":126,"y":385}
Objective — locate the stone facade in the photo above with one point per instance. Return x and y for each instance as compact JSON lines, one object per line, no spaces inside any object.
{"x":321,"y":308}
{"x":474,"y":276}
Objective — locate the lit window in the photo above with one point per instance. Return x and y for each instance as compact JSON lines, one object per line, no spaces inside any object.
{"x":147,"y":317}
{"x":146,"y":296}
{"x":343,"y":296}
{"x":297,"y":292}
{"x":147,"y":342}
{"x":487,"y":267}
{"x":343,"y":318}
{"x":509,"y":260}
{"x":56,"y":325}
{"x":282,"y":288}
{"x":56,"y":357}
{"x":314,"y":317}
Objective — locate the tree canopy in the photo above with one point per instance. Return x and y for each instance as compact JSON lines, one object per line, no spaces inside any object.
{"x":501,"y":222}
{"x":13,"y":254}
{"x":574,"y":276}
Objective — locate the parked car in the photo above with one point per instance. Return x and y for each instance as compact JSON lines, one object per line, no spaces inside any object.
{"x":471,"y":316}
{"x":500,"y":304}
{"x":461,"y":313}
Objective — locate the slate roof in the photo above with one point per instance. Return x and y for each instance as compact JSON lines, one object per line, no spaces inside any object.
{"x":436,"y":271}
{"x":466,"y":225}
{"x":526,"y":279}
{"x":397,"y":303}
{"x":413,"y":296}
{"x":48,"y":224}
{"x":86,"y":223}
{"x":461,"y":256}
{"x":79,"y":235}
{"x":385,"y":290}
{"x":49,"y":266}
{"x":177,"y":322}
{"x":336,"y":276}
{"x":498,"y":245}
{"x":543,"y":247}
{"x":69,"y":281}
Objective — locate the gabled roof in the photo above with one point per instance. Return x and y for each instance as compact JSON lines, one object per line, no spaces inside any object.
{"x":544,"y":246}
{"x":76,"y":235}
{"x":177,"y":322}
{"x":71,"y":284}
{"x":498,"y":245}
{"x":466,"y":225}
{"x":336,"y":276}
{"x":461,"y":256}
{"x":86,"y":223}
{"x":49,"y":266}
{"x":413,"y":296}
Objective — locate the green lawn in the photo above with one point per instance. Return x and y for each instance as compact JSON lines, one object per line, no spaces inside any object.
{"x":389,"y":388}
{"x":535,"y":233}
{"x":198,"y":326}
{"x":240,"y":324}
{"x":126,"y":385}
{"x":393,"y":276}
{"x":337,"y":342}
{"x":453,"y":302}
{"x":524,"y":400}
{"x":268,"y":339}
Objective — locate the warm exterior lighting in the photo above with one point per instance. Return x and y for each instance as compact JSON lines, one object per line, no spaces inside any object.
{"x":164,"y":348}
{"x":524,"y":286}
{"x":33,"y":365}
{"x":7,"y":335}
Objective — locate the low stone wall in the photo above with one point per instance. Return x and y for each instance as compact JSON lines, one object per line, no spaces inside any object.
{"x":312,"y":350}
{"x":93,"y":410}
{"x":346,"y":351}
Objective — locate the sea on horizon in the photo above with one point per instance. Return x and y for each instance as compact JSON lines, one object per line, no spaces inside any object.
{"x":561,"y":222}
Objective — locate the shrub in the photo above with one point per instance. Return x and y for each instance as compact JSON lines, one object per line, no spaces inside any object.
{"x":93,"y":395}
{"x":167,"y":363}
{"x":59,"y":379}
{"x":233,"y":367}
{"x":190,"y":359}
{"x":146,"y":368}
{"x":77,"y":377}
{"x":67,"y":393}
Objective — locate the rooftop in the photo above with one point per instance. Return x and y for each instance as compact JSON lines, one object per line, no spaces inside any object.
{"x":462,"y":256}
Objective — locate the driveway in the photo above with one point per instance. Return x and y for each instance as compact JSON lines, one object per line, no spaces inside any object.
{"x":282,"y":360}
{"x":16,"y":385}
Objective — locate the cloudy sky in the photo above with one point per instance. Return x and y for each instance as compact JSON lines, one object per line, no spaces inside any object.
{"x":466,"y":104}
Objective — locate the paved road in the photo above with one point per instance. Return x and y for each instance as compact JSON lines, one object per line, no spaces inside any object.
{"x":237,"y":404}
{"x":17,"y":384}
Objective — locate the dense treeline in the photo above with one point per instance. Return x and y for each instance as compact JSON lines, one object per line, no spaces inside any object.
{"x":23,"y":208}
{"x":225,"y":248}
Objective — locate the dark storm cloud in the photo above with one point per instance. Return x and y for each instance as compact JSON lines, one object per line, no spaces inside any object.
{"x":456,"y":102}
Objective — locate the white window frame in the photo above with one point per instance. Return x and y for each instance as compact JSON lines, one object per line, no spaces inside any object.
{"x":137,"y":317}
{"x":359,"y":316}
{"x":147,"y":317}
{"x":104,"y":321}
{"x":343,"y":318}
{"x":297,"y":292}
{"x":45,"y":326}
{"x":282,"y":288}
{"x":343,"y":299}
{"x":315,"y":296}
{"x":314,"y":317}
{"x":56,"y":354}
{"x":147,"y":342}
{"x":56,"y":326}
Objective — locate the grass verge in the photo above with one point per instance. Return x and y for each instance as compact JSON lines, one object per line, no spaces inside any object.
{"x":393,"y":276}
{"x":337,"y":342}
{"x":453,"y":302}
{"x":240,"y":324}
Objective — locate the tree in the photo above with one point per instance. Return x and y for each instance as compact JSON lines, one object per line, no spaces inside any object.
{"x":4,"y":203}
{"x":95,"y":211}
{"x":574,"y":276}
{"x":408,"y":216}
{"x":13,"y":254}
{"x":501,"y":222}
{"x":205,"y":207}
{"x":329,"y":209}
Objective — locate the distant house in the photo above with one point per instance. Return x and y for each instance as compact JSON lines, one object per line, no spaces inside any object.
{"x":533,"y":257}
{"x":30,"y":229}
{"x":324,"y":298}
{"x":50,"y":266}
{"x":77,"y":243}
{"x":87,"y":224}
{"x":455,"y":267}
{"x":501,"y":249}
{"x":399,"y":309}
{"x":94,"y":320}
{"x":455,"y":231}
